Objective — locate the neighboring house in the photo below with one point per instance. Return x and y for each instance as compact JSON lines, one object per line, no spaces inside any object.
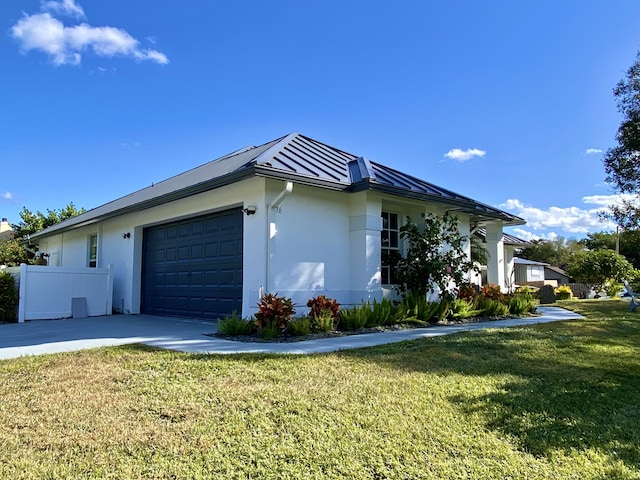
{"x":512,"y":246}
{"x":530,"y":272}
{"x":557,"y":274}
{"x":6,"y":231}
{"x":293,"y":216}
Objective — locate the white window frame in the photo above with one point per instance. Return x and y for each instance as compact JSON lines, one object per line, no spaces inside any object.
{"x":389,"y":242}
{"x":92,"y":250}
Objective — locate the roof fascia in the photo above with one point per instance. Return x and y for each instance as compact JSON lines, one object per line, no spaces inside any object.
{"x":469,"y":208}
{"x":153,"y":202}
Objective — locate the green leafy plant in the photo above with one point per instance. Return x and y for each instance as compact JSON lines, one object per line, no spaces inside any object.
{"x":234,"y":325}
{"x":521,"y":304}
{"x":418,"y":307}
{"x":426,"y":265}
{"x":299,"y":326}
{"x":8,"y":297}
{"x":462,"y":308}
{"x":274,"y":314}
{"x":382,"y":312}
{"x":323,"y":322}
{"x":353,"y":318}
{"x":492,"y":307}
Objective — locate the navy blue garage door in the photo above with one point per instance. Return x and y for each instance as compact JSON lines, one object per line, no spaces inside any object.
{"x":193,"y":268}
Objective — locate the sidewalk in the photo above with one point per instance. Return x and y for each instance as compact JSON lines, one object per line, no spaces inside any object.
{"x":183,"y":335}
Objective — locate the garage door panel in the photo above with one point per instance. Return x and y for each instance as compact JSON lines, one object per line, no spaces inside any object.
{"x":194,"y":268}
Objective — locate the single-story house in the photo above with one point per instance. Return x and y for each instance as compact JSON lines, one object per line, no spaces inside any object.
{"x":293,"y":216}
{"x":530,"y":272}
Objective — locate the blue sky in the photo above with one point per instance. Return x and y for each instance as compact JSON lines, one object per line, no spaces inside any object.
{"x":508,"y":102}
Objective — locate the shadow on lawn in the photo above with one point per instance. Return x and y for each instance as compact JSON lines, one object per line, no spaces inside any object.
{"x":569,"y":386}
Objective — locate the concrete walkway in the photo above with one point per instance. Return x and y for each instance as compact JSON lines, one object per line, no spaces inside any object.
{"x":54,"y":336}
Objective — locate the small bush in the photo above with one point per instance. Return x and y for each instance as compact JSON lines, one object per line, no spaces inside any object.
{"x":235,"y":325}
{"x":611,"y":288}
{"x":299,"y":326}
{"x":563,"y":292}
{"x":8,"y":298}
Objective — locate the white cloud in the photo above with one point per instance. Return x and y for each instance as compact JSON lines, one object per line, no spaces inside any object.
{"x":591,"y":151}
{"x":7,"y":195}
{"x":463,"y":155}
{"x":66,"y":44}
{"x":572,"y":220}
{"x":529,"y":236}
{"x":64,"y":7}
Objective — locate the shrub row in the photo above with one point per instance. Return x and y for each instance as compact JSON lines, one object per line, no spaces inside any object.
{"x":275,"y":316}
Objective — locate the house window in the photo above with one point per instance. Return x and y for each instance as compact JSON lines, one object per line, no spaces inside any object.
{"x":93,"y":251}
{"x":390,"y":247}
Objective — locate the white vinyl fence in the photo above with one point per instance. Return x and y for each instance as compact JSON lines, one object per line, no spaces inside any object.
{"x":61,"y":292}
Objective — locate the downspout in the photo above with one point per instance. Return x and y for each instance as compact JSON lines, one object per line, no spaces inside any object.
{"x":274,"y":207}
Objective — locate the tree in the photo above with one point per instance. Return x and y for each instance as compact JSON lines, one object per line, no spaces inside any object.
{"x":13,"y":252}
{"x":596,"y":267}
{"x":556,"y":252}
{"x":628,"y":240}
{"x":622,"y":162}
{"x":435,"y":256}
{"x":34,"y":222}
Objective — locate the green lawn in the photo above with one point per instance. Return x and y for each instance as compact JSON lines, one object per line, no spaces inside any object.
{"x":559,"y":400}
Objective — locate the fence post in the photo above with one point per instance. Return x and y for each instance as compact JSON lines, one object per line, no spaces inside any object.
{"x":22,"y":300}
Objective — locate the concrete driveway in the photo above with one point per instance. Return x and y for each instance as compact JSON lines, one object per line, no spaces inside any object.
{"x":184,"y":335}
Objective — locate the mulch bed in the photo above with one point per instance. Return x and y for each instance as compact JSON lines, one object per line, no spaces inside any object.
{"x":388,"y":328}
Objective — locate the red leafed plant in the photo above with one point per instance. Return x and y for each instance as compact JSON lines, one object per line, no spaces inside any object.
{"x":467,"y":292}
{"x":493,"y":292}
{"x":274,"y":312}
{"x":320,"y":304}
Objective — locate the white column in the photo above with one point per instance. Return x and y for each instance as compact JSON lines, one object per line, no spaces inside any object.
{"x":365,"y":225}
{"x":496,"y":265}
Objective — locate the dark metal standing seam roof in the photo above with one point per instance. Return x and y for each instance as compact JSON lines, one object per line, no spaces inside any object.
{"x":291,"y":157}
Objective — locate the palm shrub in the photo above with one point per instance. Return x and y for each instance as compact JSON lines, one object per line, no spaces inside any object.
{"x":8,"y":297}
{"x":274,"y":314}
{"x":234,"y":325}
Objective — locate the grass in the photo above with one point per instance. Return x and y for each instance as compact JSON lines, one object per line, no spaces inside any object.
{"x":558,"y":400}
